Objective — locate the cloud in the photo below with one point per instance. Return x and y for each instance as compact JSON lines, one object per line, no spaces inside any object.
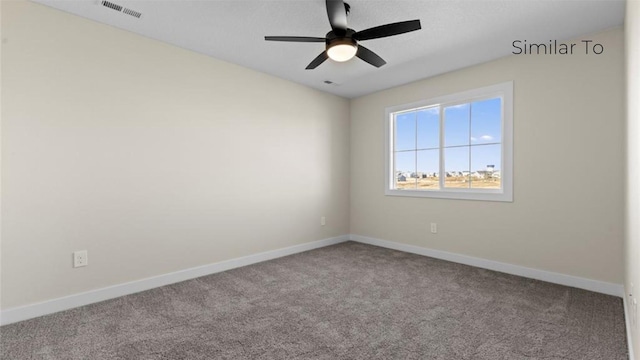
{"x":431,"y":110}
{"x":482,"y":138}
{"x":460,"y":106}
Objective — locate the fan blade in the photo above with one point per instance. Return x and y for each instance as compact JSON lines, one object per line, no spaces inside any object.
{"x":317,"y":61}
{"x":294,"y":38}
{"x":337,"y":15}
{"x":388,"y":30}
{"x":369,"y":56}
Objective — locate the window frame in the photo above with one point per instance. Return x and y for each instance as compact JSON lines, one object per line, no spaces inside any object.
{"x":505,"y":194}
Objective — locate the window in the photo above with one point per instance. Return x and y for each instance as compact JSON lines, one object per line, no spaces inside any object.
{"x":457,"y":146}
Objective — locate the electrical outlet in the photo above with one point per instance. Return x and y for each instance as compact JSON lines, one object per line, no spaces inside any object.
{"x":434,"y":228}
{"x":323,"y":221}
{"x":80,"y":258}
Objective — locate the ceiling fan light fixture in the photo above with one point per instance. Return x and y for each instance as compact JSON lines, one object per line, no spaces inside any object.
{"x":342,"y":49}
{"x":343,"y":43}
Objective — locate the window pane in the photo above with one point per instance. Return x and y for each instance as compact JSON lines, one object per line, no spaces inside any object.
{"x":428,"y":165}
{"x":405,"y":131}
{"x":429,"y":128}
{"x":486,"y":121}
{"x":456,"y":166}
{"x":405,"y":171}
{"x":485,"y":166}
{"x":454,"y":146}
{"x":456,"y":125}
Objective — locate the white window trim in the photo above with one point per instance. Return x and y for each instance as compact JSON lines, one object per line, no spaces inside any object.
{"x":503,"y":90}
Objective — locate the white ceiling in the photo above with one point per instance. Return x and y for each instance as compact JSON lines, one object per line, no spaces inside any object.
{"x":455,"y":33}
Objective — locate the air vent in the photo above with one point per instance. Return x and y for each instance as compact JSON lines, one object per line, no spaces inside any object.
{"x":119,"y":8}
{"x":111,"y":5}
{"x":132,"y":12}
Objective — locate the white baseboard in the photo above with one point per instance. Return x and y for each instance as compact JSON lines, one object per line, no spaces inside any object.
{"x":556,"y":278}
{"x":627,"y":323}
{"x":68,"y":302}
{"x":16,"y":314}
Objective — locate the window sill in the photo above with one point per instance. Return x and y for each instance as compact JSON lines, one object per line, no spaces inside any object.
{"x":484,"y":195}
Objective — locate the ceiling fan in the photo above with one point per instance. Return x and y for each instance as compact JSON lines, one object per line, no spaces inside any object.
{"x":342,"y":43}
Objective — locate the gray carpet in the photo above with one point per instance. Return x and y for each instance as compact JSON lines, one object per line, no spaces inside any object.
{"x":348,"y":301}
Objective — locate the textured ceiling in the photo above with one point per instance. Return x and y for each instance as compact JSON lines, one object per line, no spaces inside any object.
{"x":454,"y":34}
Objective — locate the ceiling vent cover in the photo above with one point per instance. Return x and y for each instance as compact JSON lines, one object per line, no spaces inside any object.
{"x":122,"y":9}
{"x":111,"y":5}
{"x":131,"y":12}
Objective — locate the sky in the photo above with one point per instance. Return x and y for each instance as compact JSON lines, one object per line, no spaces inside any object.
{"x":472,"y":136}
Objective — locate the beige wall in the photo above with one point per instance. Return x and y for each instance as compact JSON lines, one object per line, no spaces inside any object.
{"x":153,"y":158}
{"x":567,"y":214}
{"x":157,"y":159}
{"x":632,"y":244}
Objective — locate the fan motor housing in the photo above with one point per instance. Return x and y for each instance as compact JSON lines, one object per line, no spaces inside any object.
{"x":341,"y":41}
{"x":333,"y":39}
{"x":348,"y":33}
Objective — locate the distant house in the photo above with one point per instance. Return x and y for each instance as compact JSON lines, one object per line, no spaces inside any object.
{"x":478,"y":174}
{"x":483,"y":174}
{"x":402,"y":178}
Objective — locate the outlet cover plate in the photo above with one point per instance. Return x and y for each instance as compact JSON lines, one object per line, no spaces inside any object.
{"x":80,"y":258}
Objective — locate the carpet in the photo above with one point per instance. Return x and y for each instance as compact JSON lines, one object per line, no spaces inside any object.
{"x":347,"y":301}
